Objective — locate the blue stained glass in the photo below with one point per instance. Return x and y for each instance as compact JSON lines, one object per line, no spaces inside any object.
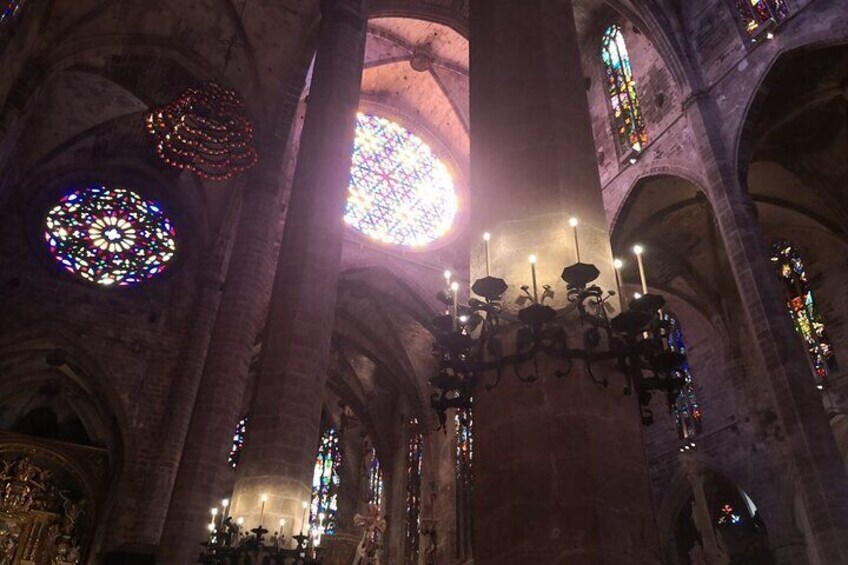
{"x":238,"y":442}
{"x":686,"y":411}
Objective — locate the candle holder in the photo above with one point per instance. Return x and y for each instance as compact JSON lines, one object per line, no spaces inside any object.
{"x":635,"y":341}
{"x":228,"y":544}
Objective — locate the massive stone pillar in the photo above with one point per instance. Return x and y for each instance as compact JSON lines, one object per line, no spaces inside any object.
{"x":810,"y":455}
{"x":286,"y":411}
{"x":559,"y":464}
{"x":218,"y":402}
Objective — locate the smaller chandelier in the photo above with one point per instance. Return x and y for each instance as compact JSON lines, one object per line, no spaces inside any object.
{"x":205,"y":131}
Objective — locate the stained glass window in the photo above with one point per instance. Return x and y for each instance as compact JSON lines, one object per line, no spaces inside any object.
{"x":238,"y":442}
{"x":686,"y":412}
{"x":464,"y":479}
{"x":803,"y":310}
{"x":758,"y":15}
{"x":400,"y":192}
{"x":375,"y":479}
{"x":11,"y":8}
{"x":727,"y":515}
{"x":110,"y":236}
{"x":414,"y":460}
{"x":621,"y":87}
{"x":325,"y":485}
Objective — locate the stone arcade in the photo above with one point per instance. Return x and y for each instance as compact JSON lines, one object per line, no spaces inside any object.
{"x":238,"y":237}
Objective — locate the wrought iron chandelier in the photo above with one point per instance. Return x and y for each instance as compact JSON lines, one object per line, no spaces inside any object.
{"x":469,"y":339}
{"x":228,"y":544}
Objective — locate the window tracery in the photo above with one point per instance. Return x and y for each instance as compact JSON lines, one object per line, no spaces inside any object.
{"x":758,"y":15}
{"x":238,"y":442}
{"x":325,"y":485}
{"x":686,"y":411}
{"x":400,"y":192}
{"x":110,"y":235}
{"x":464,"y":479}
{"x":414,"y":461}
{"x":628,"y":125}
{"x":803,"y":309}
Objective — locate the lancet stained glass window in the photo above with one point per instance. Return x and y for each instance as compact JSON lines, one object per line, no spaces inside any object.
{"x":238,"y":442}
{"x":414,"y":461}
{"x":110,"y":236}
{"x":375,"y":479}
{"x":628,"y":125}
{"x":400,"y":192}
{"x":760,"y":14}
{"x":325,"y":484}
{"x":803,"y":310}
{"x":686,"y":412}
{"x":464,"y":479}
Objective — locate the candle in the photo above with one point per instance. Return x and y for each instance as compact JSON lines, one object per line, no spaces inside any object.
{"x":454,"y":290}
{"x":305,"y":518}
{"x":618,"y":264}
{"x":638,"y":250}
{"x":263,"y":499}
{"x":224,"y":504}
{"x":486,"y":237}
{"x":214,"y":512}
{"x":447,"y":285}
{"x":573,"y":223}
{"x":533,"y":260}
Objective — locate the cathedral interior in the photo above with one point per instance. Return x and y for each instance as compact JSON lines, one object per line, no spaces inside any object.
{"x":424,"y":282}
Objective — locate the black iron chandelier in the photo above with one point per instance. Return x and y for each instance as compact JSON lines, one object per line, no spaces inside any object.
{"x":468,"y":339}
{"x":229,"y":544}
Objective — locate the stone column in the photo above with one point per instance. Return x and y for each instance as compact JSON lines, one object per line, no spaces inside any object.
{"x":286,"y":412}
{"x":218,"y":404}
{"x":560,"y":463}
{"x":812,"y":459}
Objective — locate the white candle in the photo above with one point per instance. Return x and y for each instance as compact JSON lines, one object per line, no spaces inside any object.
{"x":263,"y":499}
{"x":224,"y":504}
{"x":618,"y":264}
{"x":573,"y":223}
{"x":486,"y":237}
{"x":305,"y":518}
{"x":455,"y":291}
{"x":638,"y":250}
{"x":533,"y":260}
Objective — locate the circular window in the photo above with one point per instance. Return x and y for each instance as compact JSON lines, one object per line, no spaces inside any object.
{"x":110,"y":236}
{"x":400,"y":192}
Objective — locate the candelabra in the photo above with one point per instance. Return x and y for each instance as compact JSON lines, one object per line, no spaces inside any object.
{"x":469,"y":339}
{"x":228,"y":544}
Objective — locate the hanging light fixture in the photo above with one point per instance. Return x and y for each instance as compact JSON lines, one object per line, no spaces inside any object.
{"x":205,"y":131}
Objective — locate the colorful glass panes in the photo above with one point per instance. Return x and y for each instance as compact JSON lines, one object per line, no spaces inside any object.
{"x":400,"y":192}
{"x":727,"y":515}
{"x":686,"y":412}
{"x":238,"y":442}
{"x":375,"y":479}
{"x":464,"y":479}
{"x":11,"y":8}
{"x":803,"y":310}
{"x":110,"y":236}
{"x":621,"y":87}
{"x":325,"y":485}
{"x":758,"y":15}
{"x":414,"y":460}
